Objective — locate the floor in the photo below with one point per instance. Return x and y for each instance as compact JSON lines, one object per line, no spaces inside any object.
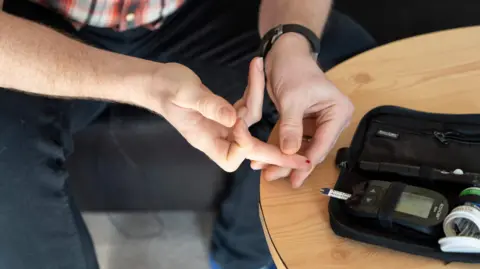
{"x":151,"y":240}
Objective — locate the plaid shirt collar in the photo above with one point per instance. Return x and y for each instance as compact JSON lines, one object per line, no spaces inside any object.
{"x":118,"y":14}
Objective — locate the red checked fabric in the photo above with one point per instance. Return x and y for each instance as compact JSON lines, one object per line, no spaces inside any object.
{"x":118,"y":14}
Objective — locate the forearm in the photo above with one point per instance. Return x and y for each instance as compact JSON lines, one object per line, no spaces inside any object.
{"x":39,"y":60}
{"x":309,"y":13}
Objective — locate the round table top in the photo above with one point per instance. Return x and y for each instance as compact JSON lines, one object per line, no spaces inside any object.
{"x":437,"y":72}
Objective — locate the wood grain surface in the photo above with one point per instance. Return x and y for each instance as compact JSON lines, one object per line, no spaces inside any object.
{"x":438,"y":72}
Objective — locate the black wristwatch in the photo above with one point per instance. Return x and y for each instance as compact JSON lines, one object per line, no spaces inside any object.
{"x":272,"y":36}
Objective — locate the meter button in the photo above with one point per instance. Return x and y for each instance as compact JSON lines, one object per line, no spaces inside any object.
{"x":369,"y":200}
{"x":373,"y":190}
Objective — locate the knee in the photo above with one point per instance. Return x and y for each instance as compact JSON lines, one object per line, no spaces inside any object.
{"x":342,"y":39}
{"x":31,"y":155}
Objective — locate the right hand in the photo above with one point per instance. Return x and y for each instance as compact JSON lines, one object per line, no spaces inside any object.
{"x":211,"y":124}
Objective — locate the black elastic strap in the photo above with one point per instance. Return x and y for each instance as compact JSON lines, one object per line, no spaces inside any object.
{"x":389,"y":202}
{"x":271,"y":36}
{"x":93,"y":4}
{"x":162,"y":3}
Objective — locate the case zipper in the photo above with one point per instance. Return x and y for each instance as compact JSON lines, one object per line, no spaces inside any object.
{"x":442,"y":137}
{"x":446,"y":137}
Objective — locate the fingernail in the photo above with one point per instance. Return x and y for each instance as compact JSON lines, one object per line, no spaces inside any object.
{"x":289,"y":145}
{"x":308,"y":161}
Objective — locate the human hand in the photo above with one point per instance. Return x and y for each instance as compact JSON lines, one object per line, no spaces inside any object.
{"x":307,"y":102}
{"x":209,"y":123}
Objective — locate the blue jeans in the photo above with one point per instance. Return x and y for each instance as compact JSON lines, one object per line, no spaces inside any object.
{"x":40,"y":226}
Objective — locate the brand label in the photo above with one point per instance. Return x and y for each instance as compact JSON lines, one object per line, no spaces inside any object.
{"x":439,"y":212}
{"x":387,"y":134}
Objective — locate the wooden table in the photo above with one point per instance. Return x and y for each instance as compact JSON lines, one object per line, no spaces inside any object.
{"x":438,"y":72}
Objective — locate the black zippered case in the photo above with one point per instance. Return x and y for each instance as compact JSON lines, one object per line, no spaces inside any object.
{"x":419,"y":143}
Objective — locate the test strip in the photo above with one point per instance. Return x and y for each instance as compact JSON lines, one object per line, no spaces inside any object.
{"x":335,"y":194}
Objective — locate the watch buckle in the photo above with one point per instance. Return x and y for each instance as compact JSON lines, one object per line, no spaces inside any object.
{"x":278,"y":33}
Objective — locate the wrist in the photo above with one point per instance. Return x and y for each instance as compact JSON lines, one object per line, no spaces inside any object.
{"x":291,"y":44}
{"x":126,"y":79}
{"x":140,"y":80}
{"x":288,"y":45}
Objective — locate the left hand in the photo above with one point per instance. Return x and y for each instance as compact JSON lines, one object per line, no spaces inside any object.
{"x":307,"y":101}
{"x":208,"y":122}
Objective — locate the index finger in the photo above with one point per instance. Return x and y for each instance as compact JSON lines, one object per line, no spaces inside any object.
{"x":257,"y":150}
{"x":267,"y":153}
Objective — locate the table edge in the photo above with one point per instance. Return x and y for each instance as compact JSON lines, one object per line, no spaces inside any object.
{"x":277,"y":259}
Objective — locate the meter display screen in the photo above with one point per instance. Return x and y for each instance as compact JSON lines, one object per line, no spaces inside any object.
{"x":414,"y":204}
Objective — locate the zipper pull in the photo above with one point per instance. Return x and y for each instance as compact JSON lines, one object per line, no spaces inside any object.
{"x":441,"y":137}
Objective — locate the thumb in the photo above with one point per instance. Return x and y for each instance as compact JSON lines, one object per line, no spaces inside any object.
{"x":291,"y":129}
{"x":211,"y":106}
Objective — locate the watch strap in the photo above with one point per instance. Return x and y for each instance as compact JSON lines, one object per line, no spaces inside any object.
{"x":272,"y":36}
